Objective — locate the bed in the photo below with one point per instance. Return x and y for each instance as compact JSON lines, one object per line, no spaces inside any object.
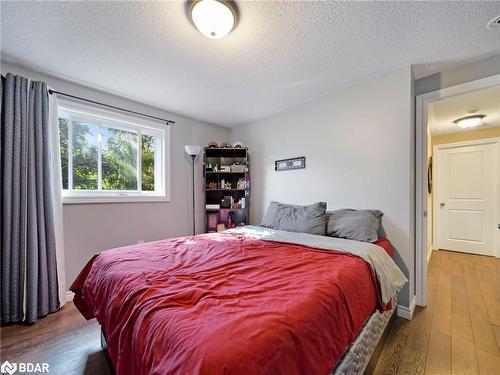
{"x":246,"y":301}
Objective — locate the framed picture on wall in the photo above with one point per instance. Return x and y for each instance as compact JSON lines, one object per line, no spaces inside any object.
{"x":288,"y":164}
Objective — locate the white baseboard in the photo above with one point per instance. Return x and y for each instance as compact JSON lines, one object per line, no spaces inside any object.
{"x":69,"y":296}
{"x":407,"y":312}
{"x":429,"y":254}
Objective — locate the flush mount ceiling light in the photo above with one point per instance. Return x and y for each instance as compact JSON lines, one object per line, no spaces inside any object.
{"x":213,"y":18}
{"x":469,"y":121}
{"x":494,"y":23}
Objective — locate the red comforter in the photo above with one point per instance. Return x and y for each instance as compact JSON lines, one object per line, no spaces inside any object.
{"x":223,"y":303}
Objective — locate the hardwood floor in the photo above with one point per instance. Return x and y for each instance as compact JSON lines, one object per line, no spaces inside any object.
{"x":457,"y":333}
{"x":69,"y":343}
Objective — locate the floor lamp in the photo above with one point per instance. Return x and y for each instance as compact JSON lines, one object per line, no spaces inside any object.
{"x":193,"y":151}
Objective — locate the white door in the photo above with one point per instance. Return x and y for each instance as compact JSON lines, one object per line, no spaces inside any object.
{"x":467,"y":196}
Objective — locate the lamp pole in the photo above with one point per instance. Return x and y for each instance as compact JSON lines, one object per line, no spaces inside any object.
{"x":193,"y":151}
{"x":194,"y":221}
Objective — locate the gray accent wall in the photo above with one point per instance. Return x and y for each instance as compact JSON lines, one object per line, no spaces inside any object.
{"x":359,"y":154}
{"x":90,"y":228}
{"x":458,"y":75}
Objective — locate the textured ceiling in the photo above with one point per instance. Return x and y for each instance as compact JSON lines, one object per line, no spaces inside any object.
{"x":482,"y":102}
{"x":281,"y":54}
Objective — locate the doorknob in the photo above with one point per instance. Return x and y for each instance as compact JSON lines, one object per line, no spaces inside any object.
{"x":442,"y":204}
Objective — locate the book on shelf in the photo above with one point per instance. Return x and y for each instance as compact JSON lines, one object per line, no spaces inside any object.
{"x":212,"y":206}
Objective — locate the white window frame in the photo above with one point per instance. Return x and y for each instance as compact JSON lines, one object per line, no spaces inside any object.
{"x":119,"y":120}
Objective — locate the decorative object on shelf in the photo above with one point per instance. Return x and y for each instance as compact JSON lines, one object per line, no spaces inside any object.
{"x":225,"y":145}
{"x":287,"y":164}
{"x":193,"y":151}
{"x":237,"y":167}
{"x":237,"y":144}
{"x":225,"y":168}
{"x":212,"y":185}
{"x":241,"y":184}
{"x":226,"y":202}
{"x":213,"y":144}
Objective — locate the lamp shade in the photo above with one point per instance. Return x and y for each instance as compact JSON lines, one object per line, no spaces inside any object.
{"x":192,"y":150}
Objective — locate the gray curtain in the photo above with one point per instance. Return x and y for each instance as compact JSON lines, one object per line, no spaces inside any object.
{"x":28,"y":265}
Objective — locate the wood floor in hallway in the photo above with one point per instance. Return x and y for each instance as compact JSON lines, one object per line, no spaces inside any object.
{"x":459,"y":330}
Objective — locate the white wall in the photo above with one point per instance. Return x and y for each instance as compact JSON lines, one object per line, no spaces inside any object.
{"x":90,"y":228}
{"x":358,"y":149}
{"x":358,"y":152}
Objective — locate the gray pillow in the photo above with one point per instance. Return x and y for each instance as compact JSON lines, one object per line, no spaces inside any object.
{"x":304,"y":219}
{"x":359,"y":225}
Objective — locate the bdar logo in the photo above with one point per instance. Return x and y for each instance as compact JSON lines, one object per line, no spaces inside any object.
{"x":8,"y":368}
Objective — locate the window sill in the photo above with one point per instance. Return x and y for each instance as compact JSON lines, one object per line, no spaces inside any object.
{"x":97,"y":200}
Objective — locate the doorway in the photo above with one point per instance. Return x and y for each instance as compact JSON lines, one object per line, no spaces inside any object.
{"x":455,"y":211}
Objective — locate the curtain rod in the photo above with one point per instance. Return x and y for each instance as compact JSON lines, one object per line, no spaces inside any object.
{"x":168,"y":122}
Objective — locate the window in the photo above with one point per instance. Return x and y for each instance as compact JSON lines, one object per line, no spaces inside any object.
{"x":107,"y":156}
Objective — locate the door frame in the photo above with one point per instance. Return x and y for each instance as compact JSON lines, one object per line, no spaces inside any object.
{"x":421,"y":124}
{"x":435,"y":206}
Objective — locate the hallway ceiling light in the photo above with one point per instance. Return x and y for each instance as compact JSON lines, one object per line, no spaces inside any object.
{"x":494,"y":23}
{"x":213,"y":18}
{"x":469,"y":121}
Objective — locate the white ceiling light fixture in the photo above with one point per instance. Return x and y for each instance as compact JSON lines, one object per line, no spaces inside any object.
{"x":213,"y":18}
{"x":494,"y":23}
{"x":469,"y":121}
